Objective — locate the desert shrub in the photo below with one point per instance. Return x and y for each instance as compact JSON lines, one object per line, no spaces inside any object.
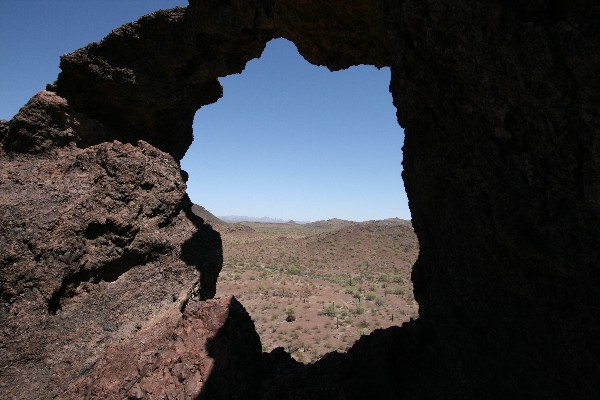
{"x":371,"y":296}
{"x":294,"y":270}
{"x":300,"y":357}
{"x":398,"y":291}
{"x":363,"y":332}
{"x":384,"y":278}
{"x":343,"y":312}
{"x":379,"y":302}
{"x":360,"y":309}
{"x":329,"y":310}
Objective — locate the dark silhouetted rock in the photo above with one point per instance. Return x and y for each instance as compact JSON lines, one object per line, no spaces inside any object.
{"x":206,"y":215}
{"x":499,"y":102}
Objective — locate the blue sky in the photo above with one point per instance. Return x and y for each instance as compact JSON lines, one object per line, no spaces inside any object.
{"x":288,"y":140}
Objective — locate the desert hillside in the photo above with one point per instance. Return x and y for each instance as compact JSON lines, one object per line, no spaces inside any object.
{"x":206,"y":215}
{"x":315,"y":288}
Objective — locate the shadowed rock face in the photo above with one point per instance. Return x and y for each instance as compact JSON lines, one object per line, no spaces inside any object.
{"x":499,"y":101}
{"x":173,"y":357}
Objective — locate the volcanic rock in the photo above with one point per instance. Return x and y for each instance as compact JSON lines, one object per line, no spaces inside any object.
{"x":499,"y":102}
{"x":206,"y":215}
{"x":44,"y":122}
{"x":175,"y":354}
{"x":93,"y":243}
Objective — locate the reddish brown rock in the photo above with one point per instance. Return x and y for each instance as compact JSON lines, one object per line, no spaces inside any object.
{"x":44,"y":122}
{"x":499,"y":101}
{"x":93,"y":243}
{"x":3,"y":128}
{"x":175,"y":354}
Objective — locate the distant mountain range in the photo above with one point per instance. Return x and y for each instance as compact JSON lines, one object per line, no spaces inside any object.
{"x":342,"y":223}
{"x":209,"y":218}
{"x":264,"y":220}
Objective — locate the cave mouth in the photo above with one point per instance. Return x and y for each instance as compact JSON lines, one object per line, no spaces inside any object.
{"x":499,"y":104}
{"x":297,"y":138}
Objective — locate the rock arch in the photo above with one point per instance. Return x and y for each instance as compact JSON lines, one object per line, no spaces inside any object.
{"x":499,"y":102}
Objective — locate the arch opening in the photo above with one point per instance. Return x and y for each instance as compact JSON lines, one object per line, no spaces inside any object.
{"x":499,"y":163}
{"x":318,"y":152}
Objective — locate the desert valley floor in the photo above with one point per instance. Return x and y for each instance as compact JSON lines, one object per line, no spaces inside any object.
{"x":316,"y":288}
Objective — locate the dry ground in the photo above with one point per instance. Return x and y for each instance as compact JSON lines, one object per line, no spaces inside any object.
{"x":316,"y":288}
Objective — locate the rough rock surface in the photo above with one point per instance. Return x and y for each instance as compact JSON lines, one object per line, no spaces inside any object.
{"x":499,"y":101}
{"x":41,"y":124}
{"x":176,"y":353}
{"x":93,"y":243}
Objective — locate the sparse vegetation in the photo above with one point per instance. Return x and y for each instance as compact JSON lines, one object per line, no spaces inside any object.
{"x":290,"y":310}
{"x":329,"y":310}
{"x":333,"y":283}
{"x":359,"y":310}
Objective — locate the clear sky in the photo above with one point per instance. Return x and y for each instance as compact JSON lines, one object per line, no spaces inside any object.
{"x":288,"y":140}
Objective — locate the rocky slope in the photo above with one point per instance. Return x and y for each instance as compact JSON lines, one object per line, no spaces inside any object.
{"x":94,"y":243}
{"x":176,"y":353}
{"x":206,"y":215}
{"x":375,"y":247}
{"x":332,"y":223}
{"x":337,"y":284}
{"x":499,"y":101}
